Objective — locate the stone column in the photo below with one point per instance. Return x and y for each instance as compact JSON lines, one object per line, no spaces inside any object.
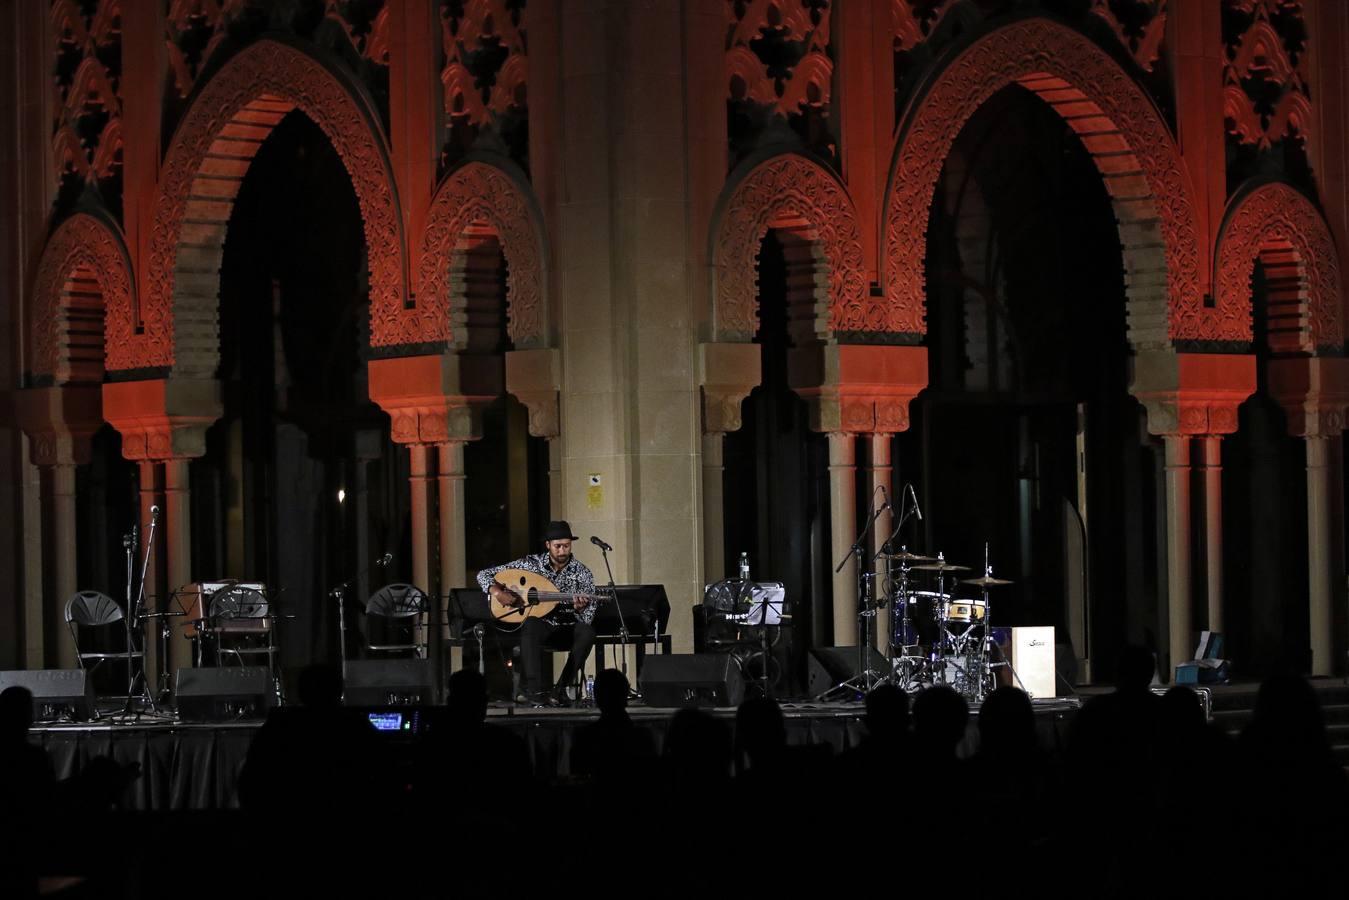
{"x":65,"y":577}
{"x":1213,"y":529}
{"x":843,"y":525}
{"x":881,"y":476}
{"x":419,"y":482}
{"x":727,"y":372}
{"x":453,"y":558}
{"x":148,"y":493}
{"x":1319,"y":555}
{"x":714,"y":509}
{"x":1180,"y":620}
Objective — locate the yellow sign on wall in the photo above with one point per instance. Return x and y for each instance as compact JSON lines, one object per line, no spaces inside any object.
{"x":594,"y":491}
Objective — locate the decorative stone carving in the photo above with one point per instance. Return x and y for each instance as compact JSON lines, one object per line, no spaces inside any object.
{"x":486,"y":69}
{"x":534,"y":377}
{"x":1140,"y":26}
{"x":1112,"y":114}
{"x":858,"y":388}
{"x":913,"y":21}
{"x":1279,"y":216}
{"x":430,"y":399}
{"x":91,"y":245}
{"x":162,"y":419}
{"x":1192,"y":393}
{"x":87,"y":124}
{"x":1314,"y":393}
{"x":60,"y":422}
{"x":791,"y":191}
{"x":1265,"y":95}
{"x":257,"y":87}
{"x":727,"y":372}
{"x":474,"y":196}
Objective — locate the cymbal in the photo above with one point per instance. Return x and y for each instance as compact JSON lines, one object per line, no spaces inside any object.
{"x":906,"y":556}
{"x":986,"y":581}
{"x":942,"y":567}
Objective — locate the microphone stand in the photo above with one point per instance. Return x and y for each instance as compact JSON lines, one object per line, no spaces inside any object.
{"x":133,"y":618}
{"x":622,"y":622}
{"x":864,"y":594}
{"x":339,"y":596}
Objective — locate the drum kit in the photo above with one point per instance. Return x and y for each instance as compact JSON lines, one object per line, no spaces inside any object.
{"x":936,"y":637}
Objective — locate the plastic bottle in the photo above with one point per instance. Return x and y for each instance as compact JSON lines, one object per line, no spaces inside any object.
{"x":744,"y":566}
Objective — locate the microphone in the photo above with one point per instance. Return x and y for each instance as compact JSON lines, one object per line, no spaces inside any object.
{"x":154,"y":514}
{"x":912,"y":493}
{"x":601,"y":544}
{"x":886,"y":495}
{"x":384,"y":560}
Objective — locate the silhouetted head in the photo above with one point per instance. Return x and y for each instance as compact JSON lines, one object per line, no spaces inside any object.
{"x":698,"y":746}
{"x":16,"y":714}
{"x":320,"y":686}
{"x":939,"y":718}
{"x":467,"y":701}
{"x":760,"y":732}
{"x":887,"y":712}
{"x":611,"y":691}
{"x":1007,"y":722}
{"x":1286,"y":708}
{"x":1135,"y":668}
{"x":1180,"y":713}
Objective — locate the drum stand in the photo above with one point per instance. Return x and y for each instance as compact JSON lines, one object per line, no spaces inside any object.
{"x":908,"y":666}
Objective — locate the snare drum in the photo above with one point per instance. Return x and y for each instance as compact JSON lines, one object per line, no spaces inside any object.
{"x":967,"y":611}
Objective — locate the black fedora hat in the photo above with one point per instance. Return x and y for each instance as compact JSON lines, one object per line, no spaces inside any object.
{"x":559,"y":531}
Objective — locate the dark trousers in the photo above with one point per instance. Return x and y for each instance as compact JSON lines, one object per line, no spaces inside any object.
{"x":536,"y":634}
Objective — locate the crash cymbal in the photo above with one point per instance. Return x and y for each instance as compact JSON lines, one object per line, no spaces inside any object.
{"x":906,"y":556}
{"x":986,"y":581}
{"x":942,"y":566}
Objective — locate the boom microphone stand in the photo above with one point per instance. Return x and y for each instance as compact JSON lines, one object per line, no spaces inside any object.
{"x":339,"y":596}
{"x":622,"y":622}
{"x":132,"y":620}
{"x":865,"y":679}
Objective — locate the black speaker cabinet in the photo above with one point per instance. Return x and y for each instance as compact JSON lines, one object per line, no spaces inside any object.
{"x":57,"y":693}
{"x":225,"y":693}
{"x":390,"y":682}
{"x":691,"y":679}
{"x":828,"y":666}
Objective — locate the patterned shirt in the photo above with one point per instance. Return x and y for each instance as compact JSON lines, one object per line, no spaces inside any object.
{"x":574,"y":578}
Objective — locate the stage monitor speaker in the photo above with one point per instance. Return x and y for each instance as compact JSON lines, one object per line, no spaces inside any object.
{"x":390,"y":682}
{"x":224,"y":693}
{"x":691,"y":679}
{"x":830,"y":666}
{"x":58,"y":694}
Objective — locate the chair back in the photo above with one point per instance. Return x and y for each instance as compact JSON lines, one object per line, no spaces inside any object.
{"x":396,"y":601}
{"x":237,"y":602}
{"x":92,"y":608}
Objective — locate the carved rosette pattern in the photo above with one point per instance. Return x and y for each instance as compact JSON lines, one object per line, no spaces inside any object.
{"x":80,"y":241}
{"x":87,"y":123}
{"x":791,"y":188}
{"x":280,"y":72}
{"x":486,"y":70}
{"x":774,"y":80}
{"x":1021,"y":53}
{"x":1140,"y":26}
{"x":1265,"y":90}
{"x":1277,"y":213}
{"x":474,"y":194}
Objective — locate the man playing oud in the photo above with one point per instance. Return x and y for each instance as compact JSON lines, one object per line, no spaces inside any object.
{"x":570,"y":577}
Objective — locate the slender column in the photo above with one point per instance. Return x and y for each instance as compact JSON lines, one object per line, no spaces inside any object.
{"x":1319,"y":554}
{"x":65,"y":577}
{"x":177,"y":544}
{"x":420,"y":455}
{"x":843,"y":512}
{"x":1179,"y":616}
{"x":881,"y":476}
{"x":557,"y":506}
{"x":1213,"y":529}
{"x":149,"y":496}
{"x":714,"y":510}
{"x":453,"y":562}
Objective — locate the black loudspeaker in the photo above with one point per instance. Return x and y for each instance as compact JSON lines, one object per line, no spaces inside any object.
{"x":221,"y":694}
{"x":829,"y":666}
{"x":57,"y":693}
{"x":691,"y":679}
{"x":390,"y":682}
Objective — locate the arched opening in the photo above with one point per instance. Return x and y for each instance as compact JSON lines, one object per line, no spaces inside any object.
{"x":1027,"y":444}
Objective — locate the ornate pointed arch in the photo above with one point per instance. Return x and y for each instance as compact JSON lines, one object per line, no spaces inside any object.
{"x":478,"y":197}
{"x":1120,"y":127}
{"x":1276,"y":224}
{"x":84,"y":271}
{"x":176,"y":324}
{"x":796,"y":194}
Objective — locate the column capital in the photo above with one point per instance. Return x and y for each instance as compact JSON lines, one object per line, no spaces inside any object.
{"x":534,"y":377}
{"x":858,"y":388}
{"x":436,"y":397}
{"x":1314,"y":393}
{"x":1192,"y":394}
{"x":60,"y":422}
{"x":727,"y":372}
{"x":162,"y":418}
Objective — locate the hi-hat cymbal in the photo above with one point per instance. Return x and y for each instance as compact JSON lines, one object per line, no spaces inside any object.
{"x":942,"y":567}
{"x":986,"y":581}
{"x":906,"y":556}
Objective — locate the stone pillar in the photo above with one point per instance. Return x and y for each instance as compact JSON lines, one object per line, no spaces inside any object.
{"x":148,"y":493}
{"x":1213,"y":528}
{"x":881,"y":476}
{"x":453,"y":561}
{"x":1180,"y":619}
{"x":177,"y":533}
{"x":65,"y":577}
{"x":1319,"y":555}
{"x":714,"y":509}
{"x":419,"y":482}
{"x":727,"y":373}
{"x":843,"y":527}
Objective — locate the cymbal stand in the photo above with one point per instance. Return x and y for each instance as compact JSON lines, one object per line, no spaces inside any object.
{"x":866,"y":678}
{"x":908,"y":663}
{"x":134,"y":625}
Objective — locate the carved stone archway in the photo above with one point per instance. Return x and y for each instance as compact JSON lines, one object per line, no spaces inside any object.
{"x":1127,"y":138}
{"x":480,"y":196}
{"x":176,"y":324}
{"x":84,"y":249}
{"x":1275,"y":223}
{"x":794,"y":193}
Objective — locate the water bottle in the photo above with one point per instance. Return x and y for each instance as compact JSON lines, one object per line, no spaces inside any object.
{"x":590,"y":690}
{"x":744,"y":566}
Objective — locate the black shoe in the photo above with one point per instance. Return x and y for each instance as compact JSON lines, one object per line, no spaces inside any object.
{"x":532,"y":699}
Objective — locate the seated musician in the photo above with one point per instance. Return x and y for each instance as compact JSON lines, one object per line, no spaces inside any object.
{"x":570,"y":577}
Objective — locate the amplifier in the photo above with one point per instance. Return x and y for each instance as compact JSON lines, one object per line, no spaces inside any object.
{"x":58,"y":694}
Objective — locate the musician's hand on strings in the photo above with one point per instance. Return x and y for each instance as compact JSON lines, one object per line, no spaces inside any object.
{"x":580,"y":602}
{"x":507,"y":597}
